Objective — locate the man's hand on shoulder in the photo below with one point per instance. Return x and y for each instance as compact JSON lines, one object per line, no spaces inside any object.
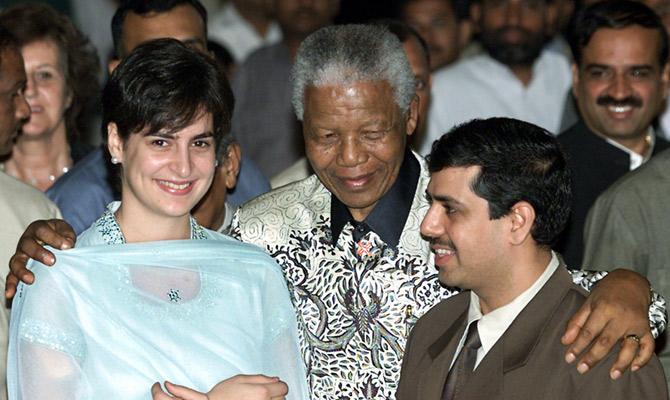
{"x":615,"y":312}
{"x":54,"y":232}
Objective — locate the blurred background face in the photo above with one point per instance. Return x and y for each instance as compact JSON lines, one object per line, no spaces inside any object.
{"x":182,"y":23}
{"x":13,"y":106}
{"x":512,"y":31}
{"x":302,"y":17}
{"x":46,"y":91}
{"x":620,"y":85}
{"x":438,"y":26}
{"x":419,"y":63}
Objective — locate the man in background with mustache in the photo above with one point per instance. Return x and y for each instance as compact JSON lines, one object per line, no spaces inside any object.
{"x":620,"y":79}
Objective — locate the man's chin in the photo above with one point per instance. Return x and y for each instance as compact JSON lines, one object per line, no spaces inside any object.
{"x":356,"y":197}
{"x":621,"y":131}
{"x":448,"y":276}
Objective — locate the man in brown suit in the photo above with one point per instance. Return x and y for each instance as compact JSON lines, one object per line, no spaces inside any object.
{"x":500,"y":194}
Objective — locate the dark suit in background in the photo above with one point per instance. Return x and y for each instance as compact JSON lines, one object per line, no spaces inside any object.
{"x":595,"y":165}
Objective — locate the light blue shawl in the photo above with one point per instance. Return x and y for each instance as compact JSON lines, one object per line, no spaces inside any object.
{"x":107,"y":321}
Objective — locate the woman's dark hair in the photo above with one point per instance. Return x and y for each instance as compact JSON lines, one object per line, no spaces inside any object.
{"x":163,"y":86}
{"x":519,"y":162}
{"x":35,"y":22}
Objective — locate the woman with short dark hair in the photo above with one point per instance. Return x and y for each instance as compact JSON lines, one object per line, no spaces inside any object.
{"x":148,"y":294}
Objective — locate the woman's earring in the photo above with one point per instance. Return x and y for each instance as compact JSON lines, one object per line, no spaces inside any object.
{"x":216,"y":163}
{"x":115,"y":160}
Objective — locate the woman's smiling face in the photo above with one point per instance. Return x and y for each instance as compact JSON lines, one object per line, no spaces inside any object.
{"x":165,"y":174}
{"x":47,"y":92}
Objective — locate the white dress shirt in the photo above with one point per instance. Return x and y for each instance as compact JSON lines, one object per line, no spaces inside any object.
{"x":237,"y":35}
{"x":636,"y":159}
{"x":481,"y":87}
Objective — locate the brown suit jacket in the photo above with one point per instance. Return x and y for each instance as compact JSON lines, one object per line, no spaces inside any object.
{"x":527,"y":362}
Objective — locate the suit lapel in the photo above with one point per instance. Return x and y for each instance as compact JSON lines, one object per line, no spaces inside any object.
{"x":440,"y":354}
{"x":521,"y":338}
{"x":516,"y":346}
{"x":512,"y":351}
{"x":486,"y":383}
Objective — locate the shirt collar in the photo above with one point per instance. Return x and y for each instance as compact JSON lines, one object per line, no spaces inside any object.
{"x":388,"y":217}
{"x":637,"y":159}
{"x":493,"y":325}
{"x":111,"y":233}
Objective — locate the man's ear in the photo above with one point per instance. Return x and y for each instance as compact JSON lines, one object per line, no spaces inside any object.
{"x":665,"y":79}
{"x":575,"y":79}
{"x":114,"y":142}
{"x":522,"y":218}
{"x":412,"y":116}
{"x":231,"y":165}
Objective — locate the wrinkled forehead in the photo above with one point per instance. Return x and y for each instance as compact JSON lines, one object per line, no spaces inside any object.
{"x":350,"y":94}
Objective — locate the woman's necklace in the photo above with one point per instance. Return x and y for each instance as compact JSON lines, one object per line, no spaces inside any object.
{"x":44,"y":179}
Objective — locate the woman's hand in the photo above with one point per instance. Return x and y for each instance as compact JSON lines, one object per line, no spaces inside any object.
{"x":250,"y":387}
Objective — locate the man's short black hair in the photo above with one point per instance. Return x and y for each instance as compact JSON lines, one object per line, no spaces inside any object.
{"x":616,"y":14}
{"x":519,"y":162}
{"x":163,"y":86}
{"x":404,"y":32}
{"x":143,"y":7}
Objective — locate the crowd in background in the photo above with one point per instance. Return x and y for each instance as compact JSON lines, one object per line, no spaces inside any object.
{"x":601,"y":91}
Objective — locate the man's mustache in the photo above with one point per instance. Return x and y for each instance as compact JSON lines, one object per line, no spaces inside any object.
{"x":607,"y":100}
